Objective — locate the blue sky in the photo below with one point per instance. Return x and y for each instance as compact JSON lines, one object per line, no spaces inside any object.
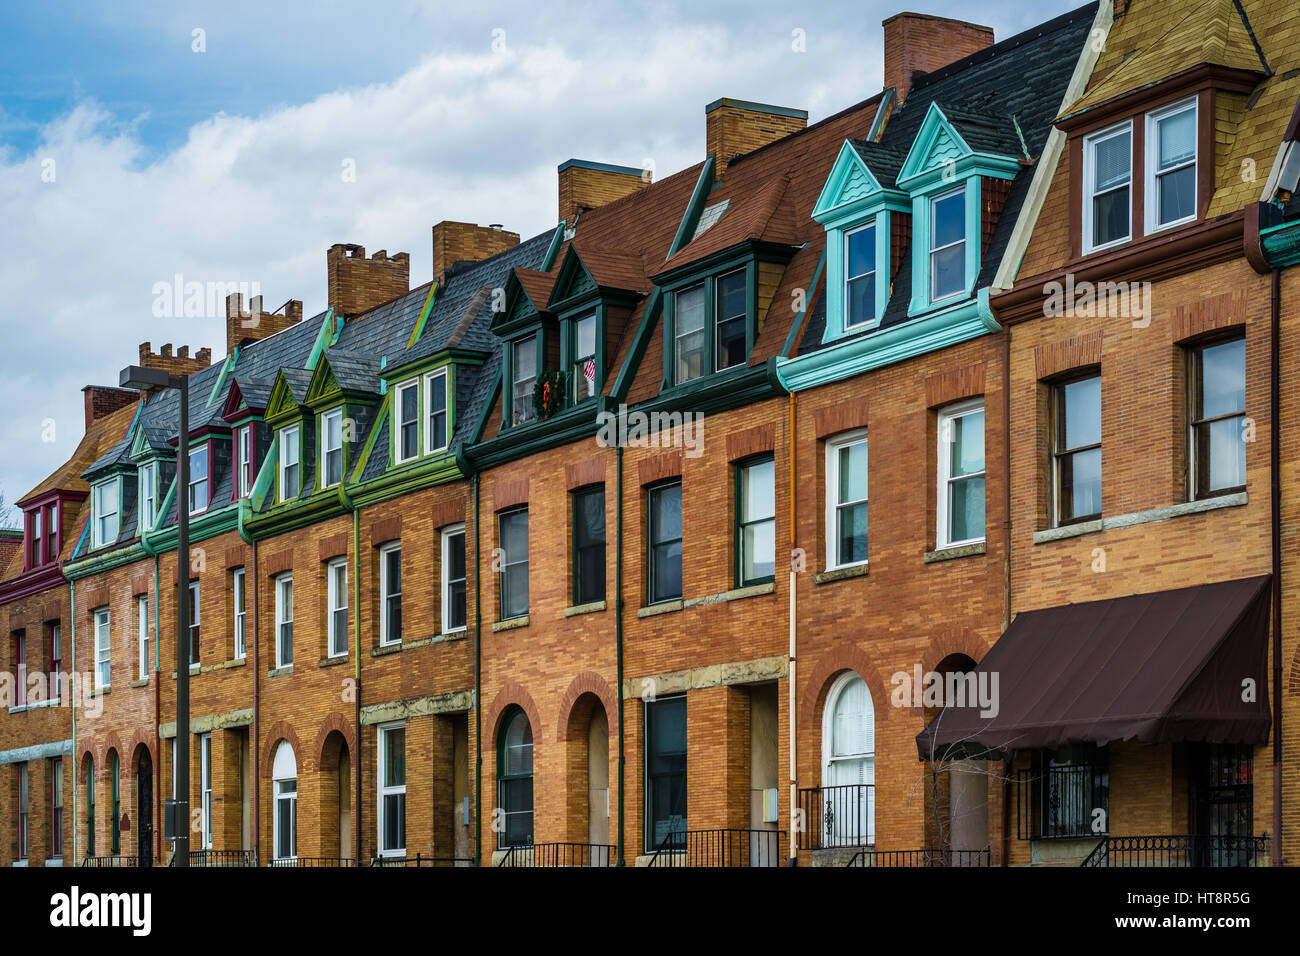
{"x":224,"y":165}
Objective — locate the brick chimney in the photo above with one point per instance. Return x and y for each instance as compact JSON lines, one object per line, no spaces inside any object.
{"x":357,"y":284}
{"x":455,"y":242}
{"x":103,"y":400}
{"x":251,"y":324}
{"x":921,"y":43}
{"x":586,"y":185}
{"x":736,"y":127}
{"x":179,"y":364}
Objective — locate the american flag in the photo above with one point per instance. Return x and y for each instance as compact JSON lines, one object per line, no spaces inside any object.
{"x":589,"y":370}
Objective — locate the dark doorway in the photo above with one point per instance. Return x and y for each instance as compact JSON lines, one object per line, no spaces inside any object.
{"x":144,"y":810}
{"x":1223,"y":801}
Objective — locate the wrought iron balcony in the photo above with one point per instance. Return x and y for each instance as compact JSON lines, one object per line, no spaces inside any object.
{"x":720,"y":848}
{"x":1188,"y":850}
{"x":315,"y":861}
{"x":560,"y":854}
{"x":421,"y":860}
{"x":920,"y":858}
{"x":211,"y":858}
{"x":113,"y":861}
{"x":842,"y":816}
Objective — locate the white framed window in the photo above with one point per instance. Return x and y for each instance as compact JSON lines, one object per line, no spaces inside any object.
{"x":336,"y":573}
{"x":244,"y":465}
{"x":1108,"y":187}
{"x":284,"y":620}
{"x":846,"y":500}
{"x":435,"y":427}
{"x":284,"y":776}
{"x":453,"y":579}
{"x":194,"y":624}
{"x":523,"y":378}
{"x":198,"y":479}
{"x":860,"y":276}
{"x":390,"y":593}
{"x":960,"y":497}
{"x":205,"y":789}
{"x":331,"y":443}
{"x":849,"y":763}
{"x":239,"y":601}
{"x":406,"y":421}
{"x":142,"y":636}
{"x":948,"y":244}
{"x":1171,"y":135}
{"x":103,"y":649}
{"x":106,"y":507}
{"x":392,"y":790}
{"x":290,"y":463}
{"x":148,"y":479}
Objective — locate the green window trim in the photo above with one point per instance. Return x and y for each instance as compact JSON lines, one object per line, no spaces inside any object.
{"x":709,"y":284}
{"x":536,"y":333}
{"x":569,"y":329}
{"x":297,"y":427}
{"x":421,"y":378}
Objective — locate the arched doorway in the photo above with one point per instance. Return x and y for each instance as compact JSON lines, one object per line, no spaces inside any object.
{"x":598,"y":777}
{"x":336,"y":797}
{"x":586,"y":736}
{"x":144,"y":807}
{"x":959,"y":788}
{"x":515,"y":780}
{"x":849,"y":764}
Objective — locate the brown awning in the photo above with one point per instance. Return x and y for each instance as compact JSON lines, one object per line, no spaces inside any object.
{"x":1157,"y":668}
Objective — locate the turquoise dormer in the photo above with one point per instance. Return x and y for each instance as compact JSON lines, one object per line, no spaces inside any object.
{"x":944,"y":176}
{"x":858,"y":214}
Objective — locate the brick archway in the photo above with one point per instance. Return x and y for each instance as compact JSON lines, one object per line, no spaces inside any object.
{"x":280,"y":730}
{"x":954,"y":640}
{"x":823,"y":675}
{"x":588,"y":682}
{"x":512,"y":693}
{"x":334,"y":722}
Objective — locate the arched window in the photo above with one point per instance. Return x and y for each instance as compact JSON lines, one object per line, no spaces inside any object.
{"x":515,"y":779}
{"x":115,"y":781}
{"x":849,"y":764}
{"x":90,"y":805}
{"x":284,"y":775}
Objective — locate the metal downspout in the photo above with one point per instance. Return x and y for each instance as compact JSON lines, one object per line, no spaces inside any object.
{"x":346,"y":500}
{"x":1006,"y":558}
{"x":76,"y":817}
{"x":1275,"y":465}
{"x":478,"y":691}
{"x":618,"y":644}
{"x":791,"y":677}
{"x":255,"y":745}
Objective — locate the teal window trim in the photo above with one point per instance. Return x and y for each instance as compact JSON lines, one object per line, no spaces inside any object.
{"x":146,"y":479}
{"x":535,"y":331}
{"x":95,"y":541}
{"x":569,"y":348}
{"x":922,"y":212}
{"x":322,"y":424}
{"x":749,"y":263}
{"x":295,"y":426}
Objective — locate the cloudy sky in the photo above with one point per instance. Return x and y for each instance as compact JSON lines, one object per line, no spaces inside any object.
{"x":141,"y":140}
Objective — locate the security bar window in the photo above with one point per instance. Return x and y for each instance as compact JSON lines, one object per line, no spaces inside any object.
{"x":390,"y":593}
{"x":453,"y":579}
{"x":688,"y":333}
{"x":584,"y":362}
{"x":435,"y":433}
{"x":846,"y":498}
{"x":1076,"y":449}
{"x":514,"y":563}
{"x":665,"y":543}
{"x":337,"y":593}
{"x":1218,"y":417}
{"x":961,"y":476}
{"x":103,"y":648}
{"x":755,"y":522}
{"x":290,"y":464}
{"x":392,"y":791}
{"x":1108,"y":178}
{"x":523,"y":379}
{"x":198,"y":480}
{"x":331,"y":427}
{"x":284,"y":620}
{"x":947,"y":245}
{"x":1171,"y":165}
{"x":860,"y":276}
{"x":589,"y":545}
{"x":729,"y":321}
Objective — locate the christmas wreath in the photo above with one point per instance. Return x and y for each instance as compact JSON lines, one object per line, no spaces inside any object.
{"x":548,"y":393}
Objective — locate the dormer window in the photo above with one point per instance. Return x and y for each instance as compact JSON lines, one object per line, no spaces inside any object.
{"x":860,"y":276}
{"x":1108,"y":177}
{"x":148,"y":480}
{"x":407,"y":405}
{"x":331,"y":442}
{"x":244,"y":460}
{"x":198,"y":480}
{"x":290,"y":463}
{"x":583,"y":372}
{"x":34,"y":538}
{"x":948,"y":244}
{"x":435,"y":390}
{"x":1171,"y":165}
{"x":523,"y":379}
{"x":729,"y":313}
{"x":688,"y":333}
{"x":105,"y":499}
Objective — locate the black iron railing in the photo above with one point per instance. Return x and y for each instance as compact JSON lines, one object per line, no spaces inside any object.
{"x":421,"y":860}
{"x":723,"y":847}
{"x":1187,"y":850}
{"x":212,"y":858}
{"x":1062,"y":802}
{"x":114,"y":861}
{"x":920,"y":858}
{"x":840,"y":816}
{"x":316,"y":861}
{"x":559,"y":854}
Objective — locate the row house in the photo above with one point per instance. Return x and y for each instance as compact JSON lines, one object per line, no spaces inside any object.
{"x":648,"y":540}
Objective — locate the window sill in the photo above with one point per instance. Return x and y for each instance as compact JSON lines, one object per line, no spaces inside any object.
{"x":592,"y":607}
{"x":1200,"y":506}
{"x":35,"y":705}
{"x":960,"y":551}
{"x":209,"y":668}
{"x":735,"y":594}
{"x":142,"y":682}
{"x":382,"y":650}
{"x":510,"y":624}
{"x":280,"y":671}
{"x":842,"y":574}
{"x":333,"y":661}
{"x":663,"y":607}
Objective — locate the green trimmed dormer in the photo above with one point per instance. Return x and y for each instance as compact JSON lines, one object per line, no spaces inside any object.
{"x":861,"y":218}
{"x":293,"y":426}
{"x":530,"y":336}
{"x":155,"y":471}
{"x":342,"y":396}
{"x":421,"y":406}
{"x":947,"y":179}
